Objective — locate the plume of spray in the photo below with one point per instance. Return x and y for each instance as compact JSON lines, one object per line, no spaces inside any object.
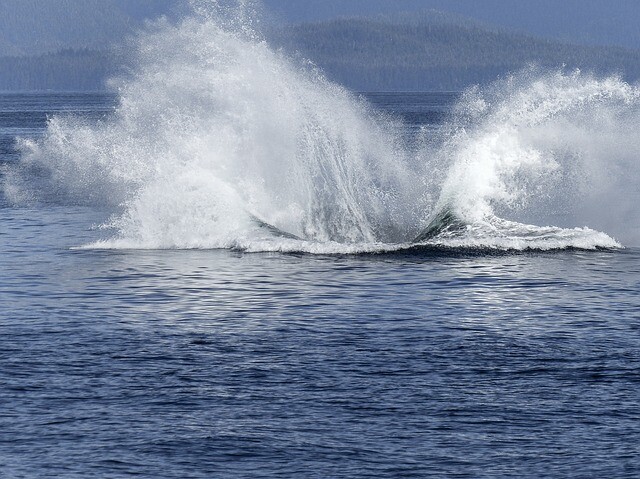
{"x":221,"y":141}
{"x":548,"y":147}
{"x":214,"y":129}
{"x":240,"y":16}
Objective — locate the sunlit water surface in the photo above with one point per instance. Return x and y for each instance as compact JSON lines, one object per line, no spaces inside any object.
{"x":217,"y":363}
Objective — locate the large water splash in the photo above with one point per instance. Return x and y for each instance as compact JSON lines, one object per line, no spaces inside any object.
{"x":220,"y":141}
{"x":215,"y":128}
{"x":548,"y":148}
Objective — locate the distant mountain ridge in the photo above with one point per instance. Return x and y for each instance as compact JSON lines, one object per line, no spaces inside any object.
{"x":36,"y":27}
{"x":67,"y":45}
{"x":584,"y":22}
{"x":65,"y":70}
{"x":436,"y":51}
{"x":428,"y":50}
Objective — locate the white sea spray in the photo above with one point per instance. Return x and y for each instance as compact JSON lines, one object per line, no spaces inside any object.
{"x":221,"y":141}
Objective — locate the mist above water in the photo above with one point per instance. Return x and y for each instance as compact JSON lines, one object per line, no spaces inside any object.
{"x":221,"y":141}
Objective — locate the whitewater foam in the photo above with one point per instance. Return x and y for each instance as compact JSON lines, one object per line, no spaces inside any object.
{"x":215,"y":129}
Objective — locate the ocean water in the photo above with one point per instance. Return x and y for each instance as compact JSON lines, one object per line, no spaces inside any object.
{"x":233,"y":267}
{"x":224,"y":363}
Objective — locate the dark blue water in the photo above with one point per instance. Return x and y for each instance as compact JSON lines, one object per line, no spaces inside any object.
{"x":222,"y":364}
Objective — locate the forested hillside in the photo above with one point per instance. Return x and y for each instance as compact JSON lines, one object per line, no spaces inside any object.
{"x":433,"y":51}
{"x":67,"y":70}
{"x":425,"y":51}
{"x":67,"y":44}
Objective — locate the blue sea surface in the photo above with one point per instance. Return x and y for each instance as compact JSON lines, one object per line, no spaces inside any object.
{"x":224,"y":364}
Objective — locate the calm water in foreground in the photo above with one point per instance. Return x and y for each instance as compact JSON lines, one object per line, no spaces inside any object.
{"x":216,"y":364}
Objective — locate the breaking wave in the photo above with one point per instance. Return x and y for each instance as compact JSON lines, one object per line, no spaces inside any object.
{"x":221,"y":141}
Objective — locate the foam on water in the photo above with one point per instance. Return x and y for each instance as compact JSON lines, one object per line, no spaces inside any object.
{"x":221,"y":141}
